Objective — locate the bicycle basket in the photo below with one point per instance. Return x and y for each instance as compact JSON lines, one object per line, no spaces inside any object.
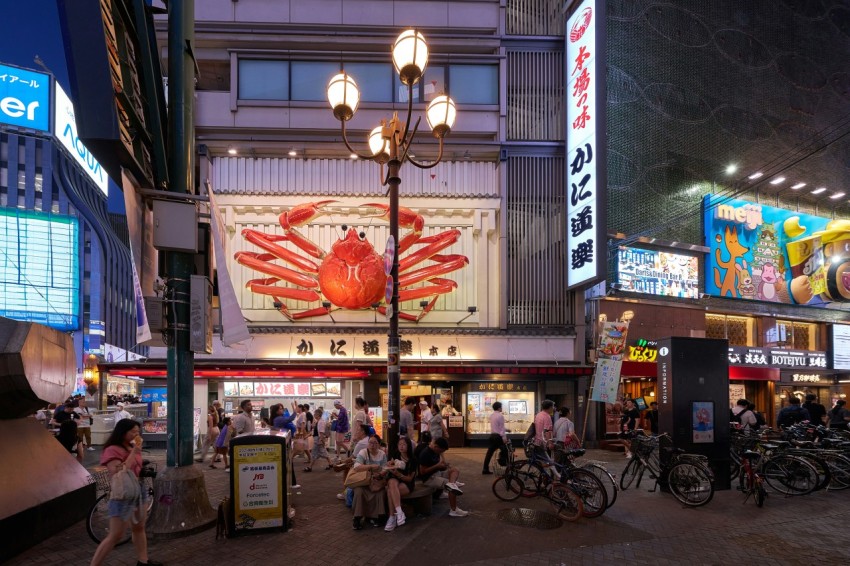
{"x":101,"y":477}
{"x":644,"y":445}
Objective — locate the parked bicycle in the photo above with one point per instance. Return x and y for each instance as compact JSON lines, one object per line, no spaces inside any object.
{"x":97,"y":523}
{"x":786,"y":471}
{"x":514,"y":483}
{"x":688,"y":476}
{"x":750,"y":478}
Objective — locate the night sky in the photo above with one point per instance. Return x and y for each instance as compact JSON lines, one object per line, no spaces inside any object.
{"x":29,"y":28}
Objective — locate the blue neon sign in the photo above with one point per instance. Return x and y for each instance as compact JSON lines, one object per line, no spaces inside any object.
{"x":24,"y":98}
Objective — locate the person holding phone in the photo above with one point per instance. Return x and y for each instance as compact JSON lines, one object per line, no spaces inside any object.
{"x":123,"y":451}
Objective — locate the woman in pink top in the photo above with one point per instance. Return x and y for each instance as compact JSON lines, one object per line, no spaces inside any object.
{"x":123,"y":451}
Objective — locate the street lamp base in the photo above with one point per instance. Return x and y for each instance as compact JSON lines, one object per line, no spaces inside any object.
{"x":181,"y":506}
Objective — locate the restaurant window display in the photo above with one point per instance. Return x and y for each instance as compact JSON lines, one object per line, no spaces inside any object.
{"x":121,"y":386}
{"x":264,"y":394}
{"x":519,"y":403}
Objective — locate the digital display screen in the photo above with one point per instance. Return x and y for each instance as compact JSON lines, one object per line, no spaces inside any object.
{"x":658,"y":273}
{"x":840,"y":346}
{"x":517,"y":408}
{"x":39,"y":269}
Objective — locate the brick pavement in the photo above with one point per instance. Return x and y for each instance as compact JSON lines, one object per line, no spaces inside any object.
{"x":641,"y":527}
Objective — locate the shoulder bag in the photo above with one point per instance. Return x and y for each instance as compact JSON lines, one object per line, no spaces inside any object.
{"x":124,"y":486}
{"x":358,"y":478}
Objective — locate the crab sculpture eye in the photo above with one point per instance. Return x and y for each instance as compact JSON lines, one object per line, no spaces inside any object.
{"x":363,"y":236}
{"x":345,"y":228}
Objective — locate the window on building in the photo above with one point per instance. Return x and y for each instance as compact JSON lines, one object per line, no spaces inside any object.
{"x":375,"y":81}
{"x":310,"y":80}
{"x":789,"y":334}
{"x":261,"y":79}
{"x":474,"y":84}
{"x":739,"y":330}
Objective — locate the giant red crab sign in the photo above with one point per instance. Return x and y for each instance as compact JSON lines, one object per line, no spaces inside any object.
{"x":352,"y":275}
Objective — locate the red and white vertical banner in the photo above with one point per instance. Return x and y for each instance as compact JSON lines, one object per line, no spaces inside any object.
{"x":586,"y":178}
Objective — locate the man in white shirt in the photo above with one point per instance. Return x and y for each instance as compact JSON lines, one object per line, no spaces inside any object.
{"x":84,"y":424}
{"x":121,"y":414}
{"x":243,"y":423}
{"x":498,"y":439}
{"x":424,"y":417}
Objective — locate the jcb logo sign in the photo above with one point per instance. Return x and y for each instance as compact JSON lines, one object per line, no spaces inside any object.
{"x":24,"y":98}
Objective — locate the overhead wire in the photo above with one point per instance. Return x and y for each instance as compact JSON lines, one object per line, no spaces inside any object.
{"x":776,"y":166}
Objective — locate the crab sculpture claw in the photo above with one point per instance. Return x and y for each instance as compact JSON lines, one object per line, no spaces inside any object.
{"x":300,"y":215}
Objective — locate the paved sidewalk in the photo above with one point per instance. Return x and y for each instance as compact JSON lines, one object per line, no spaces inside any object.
{"x":642,"y":528}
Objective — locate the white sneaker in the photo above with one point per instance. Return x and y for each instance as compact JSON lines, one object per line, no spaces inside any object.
{"x":340,"y":496}
{"x":459,"y":483}
{"x":90,"y":448}
{"x":296,"y":486}
{"x":451,"y":486}
{"x":458,"y":512}
{"x":391,"y":524}
{"x":444,"y":495}
{"x":628,"y":454}
{"x":400,"y":519}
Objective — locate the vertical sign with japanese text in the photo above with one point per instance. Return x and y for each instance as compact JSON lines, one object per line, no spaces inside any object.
{"x":586,"y":180}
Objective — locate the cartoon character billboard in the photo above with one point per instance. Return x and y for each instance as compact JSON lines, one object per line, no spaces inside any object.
{"x":770,"y":254}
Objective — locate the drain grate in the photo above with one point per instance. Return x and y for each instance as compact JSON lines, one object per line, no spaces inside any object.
{"x":529,"y":518}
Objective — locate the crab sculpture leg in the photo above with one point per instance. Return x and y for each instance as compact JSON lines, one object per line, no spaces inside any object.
{"x":305,"y":280}
{"x":443,"y":264}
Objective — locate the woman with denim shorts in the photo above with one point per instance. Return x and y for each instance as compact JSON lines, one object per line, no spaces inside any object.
{"x":123,"y":451}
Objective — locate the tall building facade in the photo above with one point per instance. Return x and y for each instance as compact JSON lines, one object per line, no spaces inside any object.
{"x":64,"y":261}
{"x":490,"y":317}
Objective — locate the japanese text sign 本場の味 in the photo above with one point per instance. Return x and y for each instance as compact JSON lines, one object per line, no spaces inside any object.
{"x":585,"y":204}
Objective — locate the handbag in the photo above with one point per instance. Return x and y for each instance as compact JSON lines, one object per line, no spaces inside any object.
{"x":377,"y":483}
{"x":124,"y":486}
{"x":358,"y":478}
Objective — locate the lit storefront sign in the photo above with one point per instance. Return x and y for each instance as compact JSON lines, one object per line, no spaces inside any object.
{"x":658,"y":273}
{"x":769,"y":254}
{"x":24,"y":98}
{"x":281,"y":389}
{"x":586,"y":216}
{"x":65,"y":130}
{"x":805,"y":378}
{"x":776,"y":358}
{"x":642,"y":350}
{"x":39,"y":274}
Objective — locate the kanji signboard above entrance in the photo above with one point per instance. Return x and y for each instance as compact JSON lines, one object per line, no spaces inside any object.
{"x":776,"y":358}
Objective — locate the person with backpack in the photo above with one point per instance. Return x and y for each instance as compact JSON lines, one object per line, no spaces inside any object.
{"x":817,"y":412}
{"x":760,"y":420}
{"x":839,"y":416}
{"x":792,"y":414}
{"x":743,"y":416}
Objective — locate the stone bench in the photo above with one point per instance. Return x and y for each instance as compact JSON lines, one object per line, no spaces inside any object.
{"x":419,"y":501}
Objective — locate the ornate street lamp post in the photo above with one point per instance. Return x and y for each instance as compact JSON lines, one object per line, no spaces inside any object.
{"x":389,"y":144}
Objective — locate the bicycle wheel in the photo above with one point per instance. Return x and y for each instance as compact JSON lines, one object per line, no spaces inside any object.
{"x":790,"y":475}
{"x":591,"y":491}
{"x":820,"y":465}
{"x":97,"y":523}
{"x":630,"y":473}
{"x":760,"y":493}
{"x":565,"y":502}
{"x":745,"y":483}
{"x":839,"y":466}
{"x":607,"y":480}
{"x":690,"y":483}
{"x":532,"y":476}
{"x":147,"y":494}
{"x":507,"y":487}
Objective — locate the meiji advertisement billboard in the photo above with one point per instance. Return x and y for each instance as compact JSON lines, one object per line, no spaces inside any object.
{"x":770,"y":254}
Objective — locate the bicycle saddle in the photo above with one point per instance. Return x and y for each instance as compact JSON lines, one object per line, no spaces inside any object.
{"x":146,"y":462}
{"x":770,"y":446}
{"x":677,"y":450}
{"x":576,"y":452}
{"x":781,"y":443}
{"x":752,"y":455}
